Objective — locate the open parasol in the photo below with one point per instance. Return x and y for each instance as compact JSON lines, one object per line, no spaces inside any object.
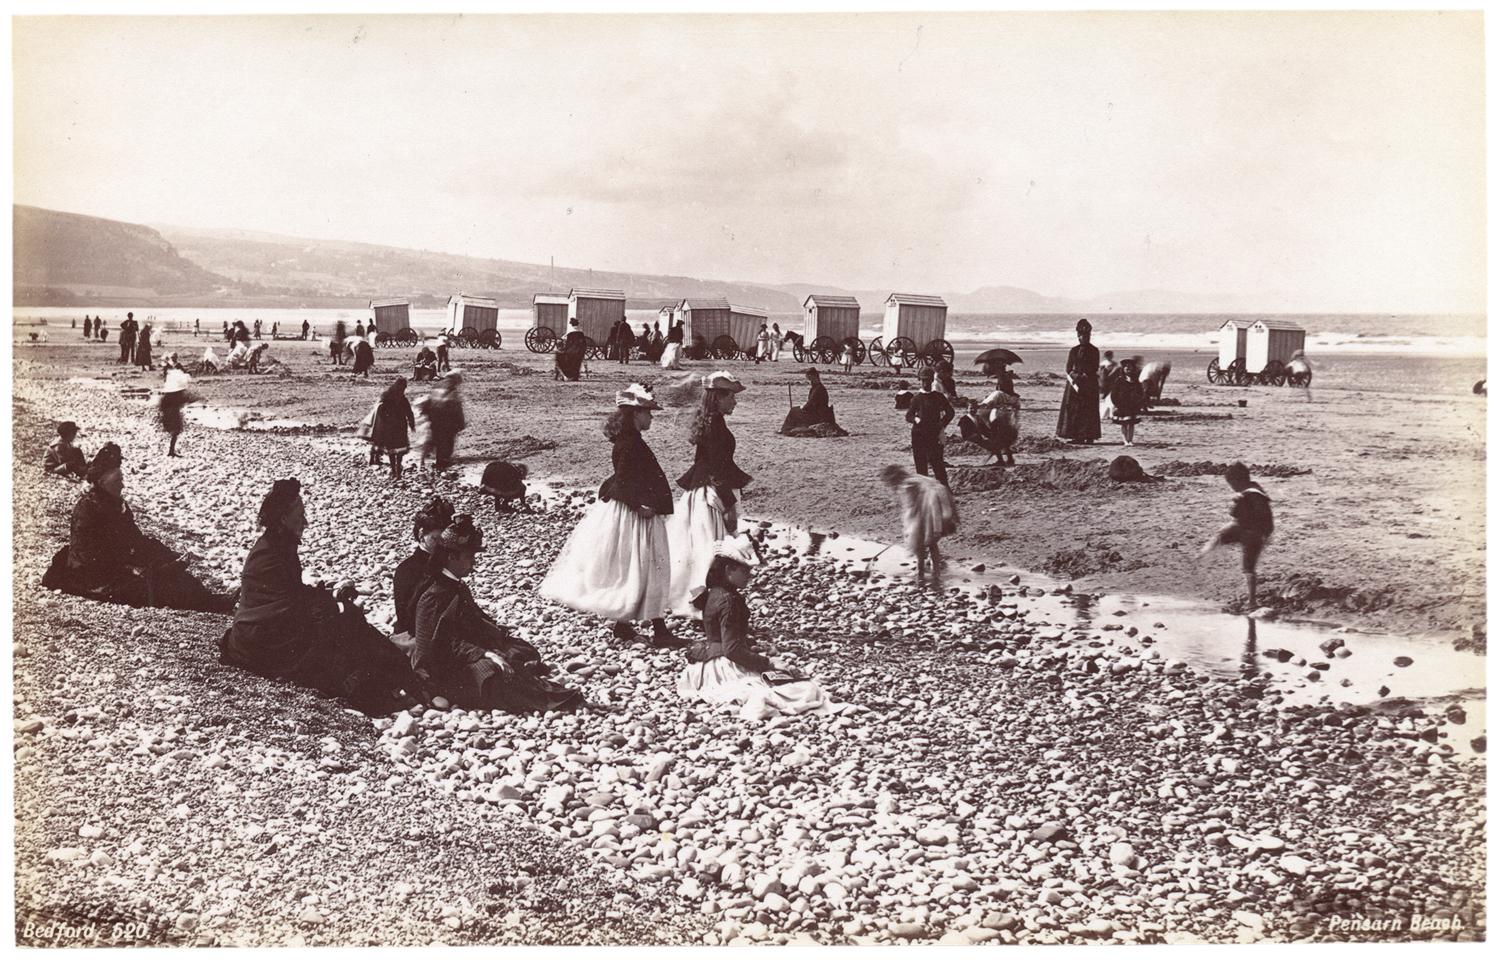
{"x":997,"y":355}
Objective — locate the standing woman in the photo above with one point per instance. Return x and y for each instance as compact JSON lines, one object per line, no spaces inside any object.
{"x":776,"y":342}
{"x":143,"y":347}
{"x":617,"y":563}
{"x":364,"y":358}
{"x":1078,"y":419}
{"x":671,"y":355}
{"x":706,"y":514}
{"x":393,"y":421}
{"x":569,"y":359}
{"x":174,"y":396}
{"x":763,"y":344}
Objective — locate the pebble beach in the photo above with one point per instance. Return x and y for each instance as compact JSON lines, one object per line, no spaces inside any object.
{"x":1003,"y":772}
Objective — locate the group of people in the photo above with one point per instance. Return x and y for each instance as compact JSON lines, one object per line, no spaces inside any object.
{"x":391,"y":421}
{"x":134,"y":339}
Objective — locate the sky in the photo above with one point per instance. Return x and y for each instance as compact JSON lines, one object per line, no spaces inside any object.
{"x":1322,"y":161}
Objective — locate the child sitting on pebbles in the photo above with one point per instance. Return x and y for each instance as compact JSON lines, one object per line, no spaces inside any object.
{"x":1251,"y":527}
{"x":928,"y":513}
{"x":725,"y":668}
{"x":505,"y":482}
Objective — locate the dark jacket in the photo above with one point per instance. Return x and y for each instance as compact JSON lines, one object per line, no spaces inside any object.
{"x":63,"y":458}
{"x":713,"y":463}
{"x":406,"y":584}
{"x":674,"y":334}
{"x":276,"y":624}
{"x":817,"y":399}
{"x":726,"y":627}
{"x":454,"y":637}
{"x":638,"y":481}
{"x":933,"y":409}
{"x":1127,"y":396}
{"x":1252,"y":511}
{"x":103,"y":538}
{"x":392,"y":424}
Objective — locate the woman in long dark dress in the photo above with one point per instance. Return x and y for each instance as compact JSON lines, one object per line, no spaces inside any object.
{"x":108,"y":558}
{"x":569,"y":359}
{"x":461,"y":653}
{"x":143,"y":347}
{"x":285,"y":629}
{"x":1078,"y":419}
{"x":364,"y":358}
{"x":391,"y":428}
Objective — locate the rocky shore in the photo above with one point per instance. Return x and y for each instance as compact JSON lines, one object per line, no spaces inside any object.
{"x":997,"y":778}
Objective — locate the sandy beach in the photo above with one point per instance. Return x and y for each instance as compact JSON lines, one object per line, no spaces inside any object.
{"x":1069,"y":782}
{"x":1377,"y":481}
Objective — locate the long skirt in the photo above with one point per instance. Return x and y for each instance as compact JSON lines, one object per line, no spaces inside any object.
{"x":696,"y":524}
{"x":1078,"y":418}
{"x":671,"y":358}
{"x":569,"y":363}
{"x":616,"y":564}
{"x":720,"y":681}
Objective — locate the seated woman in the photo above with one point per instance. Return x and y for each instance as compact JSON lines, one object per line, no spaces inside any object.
{"x":427,"y":365}
{"x":407,"y":580}
{"x":816,"y":410}
{"x":505,"y":482}
{"x":285,"y":629}
{"x":107,"y":558}
{"x":461,"y":653}
{"x":725,"y":668}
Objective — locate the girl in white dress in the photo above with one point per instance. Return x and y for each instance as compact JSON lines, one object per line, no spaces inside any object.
{"x":706,"y":512}
{"x":617,"y":563}
{"x":725,"y":668}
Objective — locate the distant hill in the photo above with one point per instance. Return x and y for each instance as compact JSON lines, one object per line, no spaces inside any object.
{"x":362,"y":271}
{"x":69,"y":258}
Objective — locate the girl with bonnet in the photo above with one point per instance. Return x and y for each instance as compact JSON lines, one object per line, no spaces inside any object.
{"x":725,"y":668}
{"x":617,"y":563}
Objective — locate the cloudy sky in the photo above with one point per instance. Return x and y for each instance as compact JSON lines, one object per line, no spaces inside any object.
{"x":1327,"y":161}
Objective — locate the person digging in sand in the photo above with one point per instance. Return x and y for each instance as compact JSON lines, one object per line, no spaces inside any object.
{"x":1251,"y":527}
{"x":927,"y":513}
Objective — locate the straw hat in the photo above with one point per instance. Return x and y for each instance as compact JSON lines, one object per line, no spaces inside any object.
{"x":722,"y":381}
{"x":637,"y":396}
{"x":176,"y":381}
{"x":738,"y":547}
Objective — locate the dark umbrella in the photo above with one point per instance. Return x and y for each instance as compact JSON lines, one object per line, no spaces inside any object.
{"x":998,"y":355}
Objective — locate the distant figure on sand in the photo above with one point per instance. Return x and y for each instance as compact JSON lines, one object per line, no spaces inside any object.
{"x":671,"y":355}
{"x":390,"y":429}
{"x":617,"y":563}
{"x":445,"y":417}
{"x":1251,"y":527}
{"x":1299,"y":371}
{"x":815,"y":410}
{"x":724,"y":668}
{"x":305,"y":328}
{"x":127,"y":339}
{"x":88,"y":327}
{"x":142,"y":358}
{"x":929,"y":416}
{"x":567,"y":361}
{"x":1078,"y":419}
{"x":174,"y":397}
{"x":928,"y":513}
{"x":426,"y":365}
{"x":364,"y":358}
{"x":1127,"y":400}
{"x":336,"y":344}
{"x":442,"y":352}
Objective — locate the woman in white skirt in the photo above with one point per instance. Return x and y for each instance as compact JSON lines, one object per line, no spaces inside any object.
{"x":726,"y":669}
{"x":706,"y":513}
{"x":617,"y":564}
{"x":671,"y":356}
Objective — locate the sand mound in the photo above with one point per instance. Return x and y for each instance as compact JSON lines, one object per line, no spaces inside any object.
{"x":1175,"y":417}
{"x":1090,"y":559}
{"x":517,"y":449}
{"x":1302,"y":592}
{"x":817,"y":431}
{"x":1063,"y":473}
{"x":1041,"y":444}
{"x":1188,"y":469}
